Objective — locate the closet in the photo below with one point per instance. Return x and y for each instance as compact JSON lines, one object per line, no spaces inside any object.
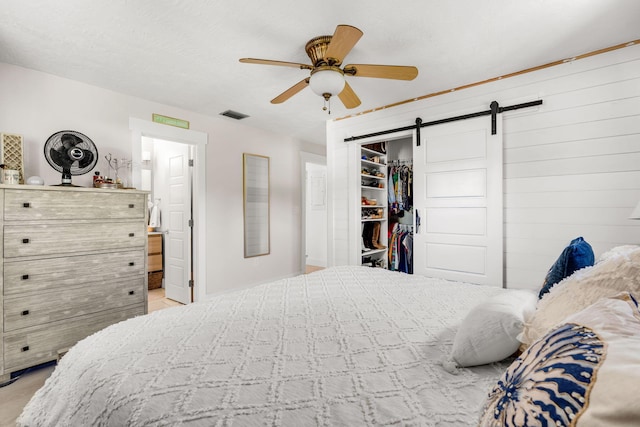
{"x":438,"y":201}
{"x":386,"y":195}
{"x":373,"y":205}
{"x":400,"y":205}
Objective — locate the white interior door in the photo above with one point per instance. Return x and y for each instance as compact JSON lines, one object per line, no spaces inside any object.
{"x":458,"y":197}
{"x":176,"y":218}
{"x":316,"y":215}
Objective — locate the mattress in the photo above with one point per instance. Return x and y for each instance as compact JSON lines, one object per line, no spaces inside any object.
{"x":345,"y":346}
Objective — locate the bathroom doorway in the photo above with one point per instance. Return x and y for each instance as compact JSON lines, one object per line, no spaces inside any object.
{"x":181,"y":190}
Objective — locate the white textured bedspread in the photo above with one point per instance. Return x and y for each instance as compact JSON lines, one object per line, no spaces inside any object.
{"x":347,"y":346}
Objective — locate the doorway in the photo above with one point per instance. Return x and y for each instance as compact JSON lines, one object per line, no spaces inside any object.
{"x":456,"y":199}
{"x":314,"y":231}
{"x":172,"y":201}
{"x":189,"y":274}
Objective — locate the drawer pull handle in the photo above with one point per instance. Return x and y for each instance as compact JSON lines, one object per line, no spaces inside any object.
{"x":26,"y":205}
{"x":132,"y":234}
{"x":25,"y":312}
{"x":25,"y":277}
{"x":25,"y":348}
{"x":25,"y":240}
{"x":132,"y":292}
{"x":131,"y":264}
{"x":131,"y":206}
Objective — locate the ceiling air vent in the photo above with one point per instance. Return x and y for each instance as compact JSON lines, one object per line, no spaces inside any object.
{"x":234,"y":115}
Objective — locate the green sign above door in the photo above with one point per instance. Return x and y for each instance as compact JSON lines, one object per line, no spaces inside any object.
{"x":165,"y":120}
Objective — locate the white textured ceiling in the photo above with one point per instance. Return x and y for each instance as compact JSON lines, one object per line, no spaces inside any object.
{"x":185,"y":52}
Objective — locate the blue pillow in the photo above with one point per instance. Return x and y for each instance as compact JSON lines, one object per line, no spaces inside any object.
{"x":577,"y":255}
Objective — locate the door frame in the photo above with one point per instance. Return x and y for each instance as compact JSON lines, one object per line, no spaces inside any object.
{"x":140,"y":128}
{"x":305,"y":158}
{"x":355,"y":204}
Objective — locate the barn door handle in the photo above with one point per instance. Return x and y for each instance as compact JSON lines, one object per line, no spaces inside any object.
{"x":26,"y":205}
{"x":25,"y":312}
{"x":25,"y":277}
{"x":25,"y":348}
{"x":132,"y":234}
{"x":131,"y":264}
{"x":25,"y":241}
{"x":132,"y":292}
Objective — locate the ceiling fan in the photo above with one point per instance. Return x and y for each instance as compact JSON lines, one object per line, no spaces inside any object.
{"x":327,"y":77}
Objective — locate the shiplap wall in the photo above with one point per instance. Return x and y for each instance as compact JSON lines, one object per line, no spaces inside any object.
{"x":573,"y":169}
{"x":571,"y":165}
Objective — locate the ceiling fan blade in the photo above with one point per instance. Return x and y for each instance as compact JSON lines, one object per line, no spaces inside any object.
{"x":291,"y":91}
{"x":343,"y":40}
{"x":396,"y":72}
{"x":279,"y":63}
{"x":349,"y":97}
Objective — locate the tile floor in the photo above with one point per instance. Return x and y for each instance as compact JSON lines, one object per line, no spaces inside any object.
{"x":14,"y":396}
{"x":312,"y":268}
{"x":157,"y":301}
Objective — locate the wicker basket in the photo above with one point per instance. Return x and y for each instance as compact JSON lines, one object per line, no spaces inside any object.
{"x":155,"y":280}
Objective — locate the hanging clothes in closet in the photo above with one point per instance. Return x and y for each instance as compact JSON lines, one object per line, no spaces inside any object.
{"x":400,"y":199}
{"x":401,"y":248}
{"x":400,"y":186}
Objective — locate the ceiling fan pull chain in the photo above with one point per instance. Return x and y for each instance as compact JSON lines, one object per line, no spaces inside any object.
{"x":327,"y":105}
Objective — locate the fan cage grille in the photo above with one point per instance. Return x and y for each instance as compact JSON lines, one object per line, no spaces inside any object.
{"x":55,"y":141}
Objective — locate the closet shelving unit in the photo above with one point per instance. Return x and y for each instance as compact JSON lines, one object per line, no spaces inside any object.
{"x":373,"y":215}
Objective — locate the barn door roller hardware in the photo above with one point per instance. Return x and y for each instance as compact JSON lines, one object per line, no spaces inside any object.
{"x":494,"y":110}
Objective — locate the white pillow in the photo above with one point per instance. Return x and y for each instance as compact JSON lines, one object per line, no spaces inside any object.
{"x":619,"y":271}
{"x":583,"y":373}
{"x":618,"y":250}
{"x":489,"y":331}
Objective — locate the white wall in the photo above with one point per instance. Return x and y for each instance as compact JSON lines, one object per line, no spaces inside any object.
{"x":401,"y":149}
{"x":224,"y":206}
{"x":36,"y":105}
{"x":571,"y":166}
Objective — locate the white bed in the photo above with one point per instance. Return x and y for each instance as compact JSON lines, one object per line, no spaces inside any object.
{"x":345,"y":346}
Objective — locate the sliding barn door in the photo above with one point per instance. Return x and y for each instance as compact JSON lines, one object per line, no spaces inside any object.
{"x":458,"y":197}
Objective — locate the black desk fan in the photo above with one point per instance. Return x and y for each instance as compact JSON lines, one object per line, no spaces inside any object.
{"x":70,"y":153}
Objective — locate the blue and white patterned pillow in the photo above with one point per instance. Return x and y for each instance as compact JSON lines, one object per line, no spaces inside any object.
{"x":585,"y":372}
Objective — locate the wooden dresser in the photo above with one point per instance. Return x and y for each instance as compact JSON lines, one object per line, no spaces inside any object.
{"x":73,"y":261}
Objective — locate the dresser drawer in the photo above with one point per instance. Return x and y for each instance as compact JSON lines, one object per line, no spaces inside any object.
{"x":155,"y":262}
{"x":40,"y":344}
{"x":25,"y":311}
{"x":69,"y":238}
{"x":26,"y":277}
{"x":155,"y":244}
{"x":28,"y":205}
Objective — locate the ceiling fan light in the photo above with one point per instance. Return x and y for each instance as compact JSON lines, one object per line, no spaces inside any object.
{"x":329,"y":80}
